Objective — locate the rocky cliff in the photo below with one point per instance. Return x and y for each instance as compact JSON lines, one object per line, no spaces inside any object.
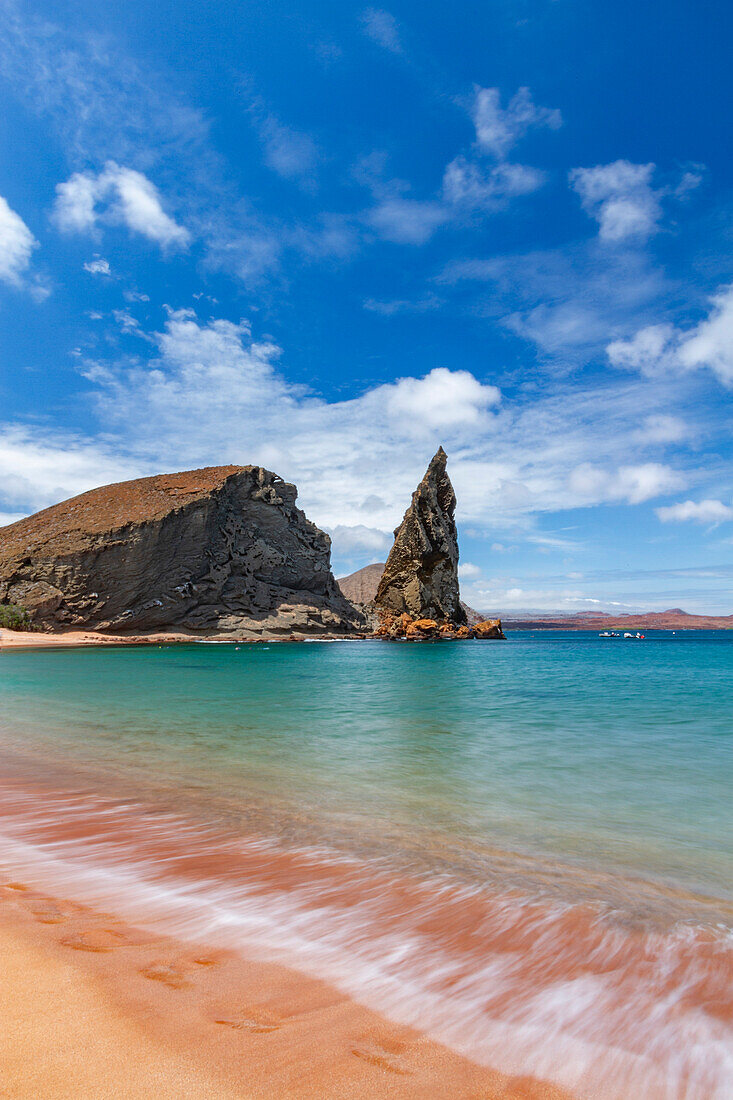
{"x":420,"y":578}
{"x":218,"y":550}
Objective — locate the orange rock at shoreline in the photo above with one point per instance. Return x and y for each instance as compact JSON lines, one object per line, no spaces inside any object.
{"x":488,"y":629}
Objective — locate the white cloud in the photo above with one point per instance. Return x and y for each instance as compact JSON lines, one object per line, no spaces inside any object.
{"x":442,"y":399}
{"x":359,"y":539}
{"x":620,"y":198}
{"x":498,"y":129}
{"x":98,"y":267}
{"x":16,"y":245}
{"x":665,"y":349}
{"x":648,"y":351}
{"x":140,"y":208}
{"x":703,"y":511}
{"x":7,"y":518}
{"x":466,"y":183}
{"x":633,"y":484}
{"x":130,"y":198}
{"x":468,"y":571}
{"x":382,"y":28}
{"x":212,"y":394}
{"x":76,"y":198}
{"x":710,"y":343}
{"x":38,"y":469}
{"x":501,"y":597}
{"x":662,"y":428}
{"x":406,"y":221}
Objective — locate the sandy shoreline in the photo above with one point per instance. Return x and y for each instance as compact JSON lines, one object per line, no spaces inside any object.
{"x":95,"y":1008}
{"x":26,"y":639}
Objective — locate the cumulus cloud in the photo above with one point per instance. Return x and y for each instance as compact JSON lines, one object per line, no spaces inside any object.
{"x":499,"y":128}
{"x":468,"y":571}
{"x":665,"y":349}
{"x":702,"y":511}
{"x":128,"y":197}
{"x":16,"y":245}
{"x":620,"y":198}
{"x":382,"y":28}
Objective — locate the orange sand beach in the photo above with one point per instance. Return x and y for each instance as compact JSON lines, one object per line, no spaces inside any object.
{"x":95,"y":1008}
{"x":31,"y":639}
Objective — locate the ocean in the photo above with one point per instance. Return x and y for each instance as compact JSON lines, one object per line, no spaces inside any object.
{"x":524,"y":848}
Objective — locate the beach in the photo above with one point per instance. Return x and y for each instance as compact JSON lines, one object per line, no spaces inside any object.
{"x":384,"y":874}
{"x":94,"y":1007}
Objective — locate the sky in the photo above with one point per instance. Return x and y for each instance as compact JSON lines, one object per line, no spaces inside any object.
{"x":328,"y":238}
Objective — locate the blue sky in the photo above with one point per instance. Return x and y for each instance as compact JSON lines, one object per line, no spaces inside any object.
{"x":327,"y":238}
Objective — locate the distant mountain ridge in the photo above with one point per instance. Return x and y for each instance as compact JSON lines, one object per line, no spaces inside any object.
{"x":673,"y":619}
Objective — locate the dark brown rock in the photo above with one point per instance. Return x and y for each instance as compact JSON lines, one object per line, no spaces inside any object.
{"x":421,"y":574}
{"x":218,"y":550}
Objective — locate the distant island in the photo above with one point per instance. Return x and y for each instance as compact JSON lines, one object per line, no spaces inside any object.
{"x":361,"y":587}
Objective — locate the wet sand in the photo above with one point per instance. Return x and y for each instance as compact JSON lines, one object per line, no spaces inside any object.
{"x":93,"y":1007}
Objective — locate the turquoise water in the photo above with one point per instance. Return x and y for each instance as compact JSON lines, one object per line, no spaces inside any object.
{"x":565,"y":745}
{"x":523,"y":849}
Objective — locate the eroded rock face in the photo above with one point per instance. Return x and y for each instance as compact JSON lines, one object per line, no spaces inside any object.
{"x":218,"y":550}
{"x":421,"y":574}
{"x":404,"y":628}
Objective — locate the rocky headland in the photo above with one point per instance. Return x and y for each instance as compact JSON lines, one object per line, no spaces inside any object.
{"x":222,"y":550}
{"x":415,"y":594}
{"x":225,"y":552}
{"x":420,"y":578}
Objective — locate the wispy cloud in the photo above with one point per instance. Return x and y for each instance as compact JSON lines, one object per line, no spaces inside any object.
{"x":498,"y":129}
{"x":393,"y":306}
{"x":566,"y":301}
{"x":381,"y":26}
{"x":102,"y":103}
{"x":403,"y":220}
{"x":291,"y":153}
{"x":468,"y":184}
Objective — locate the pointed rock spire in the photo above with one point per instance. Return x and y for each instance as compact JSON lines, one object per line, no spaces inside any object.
{"x":421,"y":574}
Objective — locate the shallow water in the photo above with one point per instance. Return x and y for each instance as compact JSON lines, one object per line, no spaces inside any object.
{"x":524,"y":847}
